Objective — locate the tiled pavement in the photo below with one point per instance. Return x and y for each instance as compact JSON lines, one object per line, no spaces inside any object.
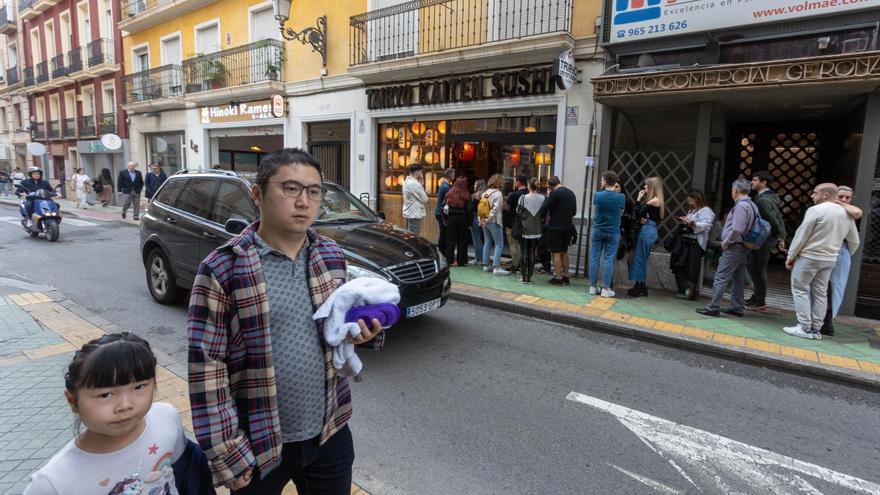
{"x":849,"y":352}
{"x":39,"y":336}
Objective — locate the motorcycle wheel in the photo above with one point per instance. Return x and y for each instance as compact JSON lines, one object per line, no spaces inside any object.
{"x":52,"y":231}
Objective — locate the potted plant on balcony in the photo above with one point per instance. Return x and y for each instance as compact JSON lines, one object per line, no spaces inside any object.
{"x":273,"y":69}
{"x":215,"y":73}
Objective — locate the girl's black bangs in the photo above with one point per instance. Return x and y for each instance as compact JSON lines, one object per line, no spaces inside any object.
{"x":116,"y":364}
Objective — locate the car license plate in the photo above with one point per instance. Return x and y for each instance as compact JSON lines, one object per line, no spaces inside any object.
{"x":420,"y":309}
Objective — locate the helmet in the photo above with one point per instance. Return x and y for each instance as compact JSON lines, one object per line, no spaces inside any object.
{"x":33,"y":169}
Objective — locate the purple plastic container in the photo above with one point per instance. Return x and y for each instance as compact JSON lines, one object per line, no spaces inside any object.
{"x":386,"y":313}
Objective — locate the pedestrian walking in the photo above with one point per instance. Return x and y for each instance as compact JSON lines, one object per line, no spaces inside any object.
{"x":511,"y":218}
{"x":605,"y":233}
{"x":414,"y":199}
{"x":103,"y":186}
{"x":17,"y":176}
{"x":840,"y":273}
{"x":770,"y":207}
{"x":733,"y":264}
{"x":812,"y":256}
{"x":457,"y":220}
{"x":81,"y":183}
{"x":490,"y":211}
{"x":268,"y":414}
{"x":561,"y":207}
{"x":650,"y":209}
{"x":686,"y":257}
{"x":442,"y":191}
{"x":476,"y":229}
{"x":131,"y":183}
{"x":528,"y":210}
{"x":110,"y":385}
{"x":154,"y":179}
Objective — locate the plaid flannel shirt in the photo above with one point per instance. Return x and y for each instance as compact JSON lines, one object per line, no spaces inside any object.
{"x":231,"y":376}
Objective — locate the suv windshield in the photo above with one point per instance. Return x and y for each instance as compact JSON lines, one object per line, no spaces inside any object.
{"x":340,"y":206}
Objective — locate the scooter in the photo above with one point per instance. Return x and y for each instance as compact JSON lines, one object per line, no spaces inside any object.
{"x":46,"y":217}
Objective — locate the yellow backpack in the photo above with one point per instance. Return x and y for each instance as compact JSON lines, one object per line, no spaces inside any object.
{"x":484,"y":208}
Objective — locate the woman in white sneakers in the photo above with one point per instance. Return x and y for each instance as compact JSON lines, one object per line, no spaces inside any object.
{"x":489,"y":212}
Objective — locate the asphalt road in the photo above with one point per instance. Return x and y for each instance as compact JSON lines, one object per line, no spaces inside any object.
{"x":471,"y":401}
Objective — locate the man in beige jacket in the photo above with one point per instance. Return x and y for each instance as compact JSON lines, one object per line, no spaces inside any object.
{"x":812,"y":255}
{"x":414,"y":199}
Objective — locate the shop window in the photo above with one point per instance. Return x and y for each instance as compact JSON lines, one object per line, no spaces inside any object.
{"x":239,"y":161}
{"x":406,"y":144}
{"x":167,"y":151}
{"x":232,"y":202}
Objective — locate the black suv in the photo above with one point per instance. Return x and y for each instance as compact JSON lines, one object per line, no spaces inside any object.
{"x":196,"y":211}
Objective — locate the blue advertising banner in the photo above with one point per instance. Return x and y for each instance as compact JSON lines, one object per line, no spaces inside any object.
{"x":634,"y":20}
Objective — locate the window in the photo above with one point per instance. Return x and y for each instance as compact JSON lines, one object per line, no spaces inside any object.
{"x":169,"y":192}
{"x":167,"y":151}
{"x":197,"y":200}
{"x":16,"y":116}
{"x":88,"y":101}
{"x":263,"y":25}
{"x":13,"y":56}
{"x":208,"y":39}
{"x":171,"y":50}
{"x":141,"y":59}
{"x":233,"y":202}
{"x":3,"y":119}
{"x":109,"y":99}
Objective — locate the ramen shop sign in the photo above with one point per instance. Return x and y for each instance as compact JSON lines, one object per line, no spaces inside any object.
{"x":242,"y":112}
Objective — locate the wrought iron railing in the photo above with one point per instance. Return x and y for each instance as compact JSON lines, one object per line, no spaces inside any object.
{"x":134,"y":8}
{"x":59,"y":67}
{"x":107,"y":123}
{"x":29,"y":78}
{"x":12,"y":76}
{"x":6,"y":16}
{"x":87,"y":126}
{"x":25,"y":4}
{"x":426,"y":26}
{"x":252,"y":63}
{"x":68,"y":128}
{"x":75,"y":60}
{"x":54,"y":129}
{"x":161,"y":82}
{"x":42,"y":72}
{"x":39,"y":130}
{"x":101,"y":51}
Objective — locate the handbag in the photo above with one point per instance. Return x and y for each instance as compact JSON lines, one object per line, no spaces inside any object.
{"x":99,"y":188}
{"x":758,"y":234}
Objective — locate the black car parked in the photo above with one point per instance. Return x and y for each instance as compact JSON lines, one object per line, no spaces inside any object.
{"x":196,"y":211}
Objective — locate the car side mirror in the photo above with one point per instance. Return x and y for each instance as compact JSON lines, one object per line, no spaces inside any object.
{"x":381,"y":214}
{"x":235,"y":226}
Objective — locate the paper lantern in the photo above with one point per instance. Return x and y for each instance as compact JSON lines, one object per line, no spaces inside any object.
{"x":389,"y":158}
{"x":429,"y":137}
{"x":515,"y":158}
{"x":467,"y":152}
{"x":418,"y":128}
{"x":531,"y":129}
{"x":441,"y":126}
{"x":430,"y":158}
{"x":391,"y":133}
{"x":401,"y":161}
{"x":403,"y":138}
{"x":389,"y":182}
{"x":443,"y":157}
{"x":430,"y":185}
{"x":415,"y":154}
{"x":400,"y":179}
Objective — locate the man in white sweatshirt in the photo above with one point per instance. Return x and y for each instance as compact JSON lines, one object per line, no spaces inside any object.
{"x":414,"y":199}
{"x":812,"y":255}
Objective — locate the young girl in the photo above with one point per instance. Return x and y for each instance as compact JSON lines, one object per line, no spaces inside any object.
{"x":129,"y":443}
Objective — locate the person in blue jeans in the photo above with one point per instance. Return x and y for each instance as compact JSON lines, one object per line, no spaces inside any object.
{"x":493,"y":231}
{"x":605,"y":234}
{"x":650,"y":210}
{"x":476,"y":229}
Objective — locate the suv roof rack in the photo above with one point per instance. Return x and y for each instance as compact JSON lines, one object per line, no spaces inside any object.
{"x":187,"y":171}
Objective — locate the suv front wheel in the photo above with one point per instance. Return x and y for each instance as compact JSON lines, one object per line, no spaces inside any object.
{"x":160,"y":280}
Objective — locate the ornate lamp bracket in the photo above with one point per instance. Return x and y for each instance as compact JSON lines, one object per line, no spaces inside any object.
{"x":316,"y":37}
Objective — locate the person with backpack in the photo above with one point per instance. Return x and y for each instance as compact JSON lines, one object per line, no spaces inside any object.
{"x":489,"y":210}
{"x":769,"y":205}
{"x":732,"y":266}
{"x":528,"y":209}
{"x":511,"y":226}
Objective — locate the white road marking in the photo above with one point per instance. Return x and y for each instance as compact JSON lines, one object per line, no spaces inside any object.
{"x":656,"y":485}
{"x":719,"y":464}
{"x":65,"y":221}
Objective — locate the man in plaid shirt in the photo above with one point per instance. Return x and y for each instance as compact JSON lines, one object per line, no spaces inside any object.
{"x":267,"y":405}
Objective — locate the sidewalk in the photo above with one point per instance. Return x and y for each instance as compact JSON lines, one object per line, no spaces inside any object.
{"x":96,"y":212}
{"x":661,"y":317}
{"x":40,"y":332}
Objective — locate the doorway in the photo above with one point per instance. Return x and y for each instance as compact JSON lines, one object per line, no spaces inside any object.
{"x":330,"y":143}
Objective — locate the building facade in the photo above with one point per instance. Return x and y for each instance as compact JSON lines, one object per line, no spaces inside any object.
{"x":703,"y":93}
{"x":14,"y":108}
{"x":72,"y":78}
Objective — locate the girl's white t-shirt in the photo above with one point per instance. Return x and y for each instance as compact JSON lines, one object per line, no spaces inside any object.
{"x":141,"y":468}
{"x":81,"y":180}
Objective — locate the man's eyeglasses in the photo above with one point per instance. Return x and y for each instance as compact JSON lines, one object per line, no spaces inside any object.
{"x":294,"y":189}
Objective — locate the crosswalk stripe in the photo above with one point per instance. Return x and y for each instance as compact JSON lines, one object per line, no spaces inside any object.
{"x":66,"y":221}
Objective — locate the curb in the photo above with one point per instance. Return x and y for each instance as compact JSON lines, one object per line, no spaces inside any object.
{"x":804,"y":367}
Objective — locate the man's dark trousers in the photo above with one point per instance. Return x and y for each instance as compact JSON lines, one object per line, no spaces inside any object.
{"x":441,"y":240}
{"x":758,"y":270}
{"x":324,"y":470}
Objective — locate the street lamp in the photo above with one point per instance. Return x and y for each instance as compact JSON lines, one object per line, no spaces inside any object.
{"x":316,"y":37}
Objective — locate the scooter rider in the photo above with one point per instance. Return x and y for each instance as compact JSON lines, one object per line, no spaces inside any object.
{"x":32,"y":184}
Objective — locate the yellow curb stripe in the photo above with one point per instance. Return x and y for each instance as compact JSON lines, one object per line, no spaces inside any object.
{"x":527,"y":299}
{"x":723,"y":338}
{"x":547,"y":303}
{"x":49,"y":350}
{"x":869,"y":367}
{"x":572,"y":308}
{"x":698,"y":333}
{"x":799,"y":353}
{"x":760,"y":345}
{"x":839,"y":361}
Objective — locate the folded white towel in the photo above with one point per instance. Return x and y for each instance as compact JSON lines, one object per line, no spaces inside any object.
{"x":357,"y":292}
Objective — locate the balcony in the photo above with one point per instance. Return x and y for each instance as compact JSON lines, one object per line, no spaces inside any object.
{"x":422,"y":37}
{"x":138,"y":15}
{"x":155,"y":89}
{"x":42,"y":72}
{"x":43,"y":5}
{"x":7,"y":20}
{"x":39,"y":130}
{"x":54,"y":129}
{"x":75,"y":67}
{"x":248,"y":71}
{"x":107,"y":123}
{"x":12,"y":77}
{"x":68,"y":128}
{"x":87,"y":126}
{"x":29,"y":79}
{"x":60,"y":72}
{"x":101,"y":57}
{"x":26,"y":11}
